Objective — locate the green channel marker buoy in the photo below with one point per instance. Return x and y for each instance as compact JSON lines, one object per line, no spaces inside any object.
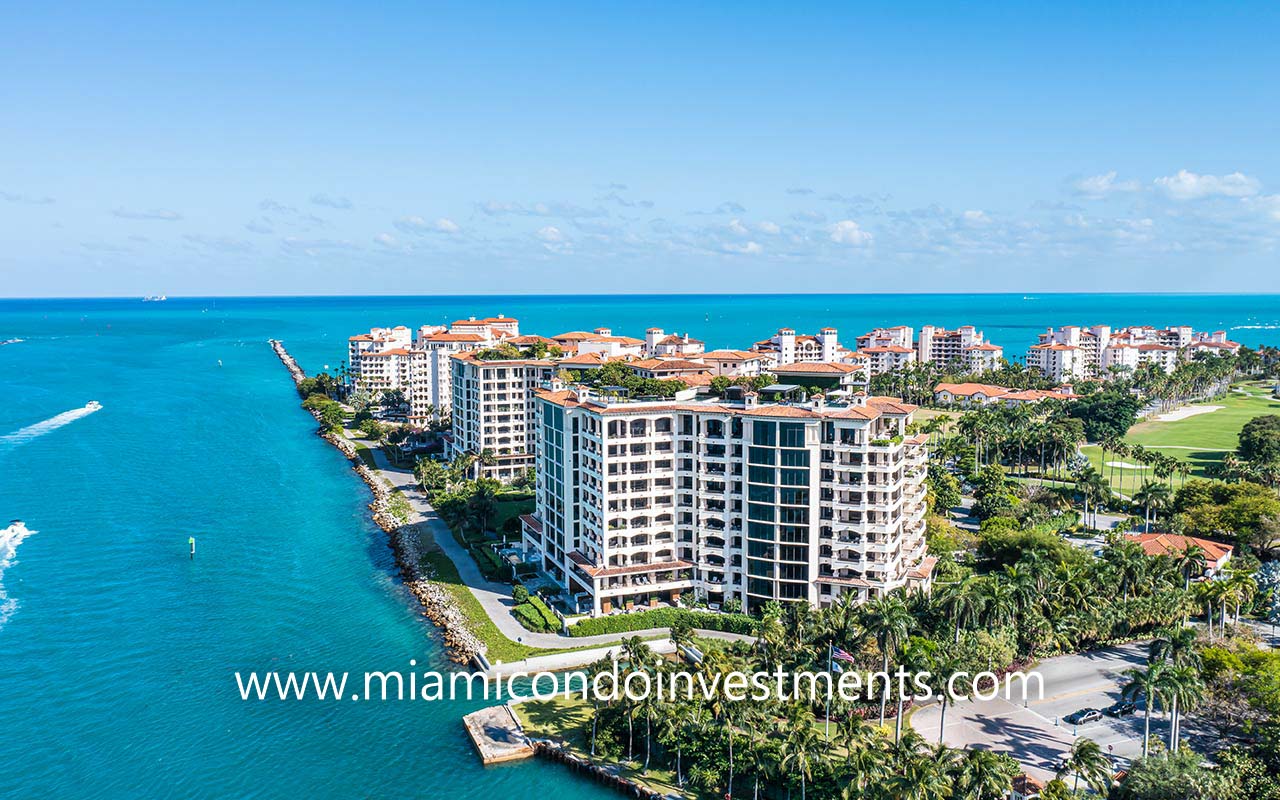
{"x":192,"y":542}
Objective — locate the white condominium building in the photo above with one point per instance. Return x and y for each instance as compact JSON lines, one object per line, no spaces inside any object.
{"x":788,"y":348}
{"x":493,"y":411}
{"x":887,"y":358}
{"x":639,"y":503}
{"x":738,"y":363}
{"x":946,"y":346}
{"x":658,"y":344}
{"x":1073,"y":353}
{"x":388,"y":359}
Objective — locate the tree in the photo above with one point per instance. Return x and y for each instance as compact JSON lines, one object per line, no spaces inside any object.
{"x":1143,"y":685}
{"x":1086,"y":760}
{"x":1152,"y":494}
{"x":985,"y":775}
{"x":800,"y":746}
{"x":1260,"y":440}
{"x":944,"y":489}
{"x":888,"y":620}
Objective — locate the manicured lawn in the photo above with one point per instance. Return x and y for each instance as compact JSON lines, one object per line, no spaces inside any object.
{"x":569,"y":721}
{"x":1214,"y":431}
{"x":365,"y":454}
{"x":1201,"y":440}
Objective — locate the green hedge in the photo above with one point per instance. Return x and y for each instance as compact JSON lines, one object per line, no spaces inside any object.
{"x":664,"y":618}
{"x":487,"y":560}
{"x":529,"y":617}
{"x":548,"y":615}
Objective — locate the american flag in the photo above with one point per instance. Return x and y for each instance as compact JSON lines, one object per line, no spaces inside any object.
{"x":840,"y":655}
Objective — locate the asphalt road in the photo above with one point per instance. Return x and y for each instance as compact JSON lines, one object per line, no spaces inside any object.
{"x":1032,"y":731}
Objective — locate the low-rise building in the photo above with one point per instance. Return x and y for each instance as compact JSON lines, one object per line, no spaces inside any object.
{"x":658,"y":344}
{"x":1216,"y":554}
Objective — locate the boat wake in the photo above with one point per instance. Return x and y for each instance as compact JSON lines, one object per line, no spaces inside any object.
{"x":24,"y":435}
{"x":10,"y":538}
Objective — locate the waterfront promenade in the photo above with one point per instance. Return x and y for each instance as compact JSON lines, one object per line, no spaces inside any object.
{"x":495,"y":597}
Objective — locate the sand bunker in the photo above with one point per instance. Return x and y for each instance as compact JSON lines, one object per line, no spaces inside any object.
{"x":1186,"y":411}
{"x":1126,"y":465}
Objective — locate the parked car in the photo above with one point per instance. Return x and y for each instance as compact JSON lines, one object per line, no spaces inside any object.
{"x":1083,"y":716}
{"x":1121,"y":708}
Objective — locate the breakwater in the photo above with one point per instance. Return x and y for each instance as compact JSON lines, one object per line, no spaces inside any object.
{"x":405,"y":542}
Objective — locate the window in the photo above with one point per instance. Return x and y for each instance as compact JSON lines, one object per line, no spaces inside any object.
{"x":760,"y":530}
{"x":795,"y":458}
{"x":795,"y":477}
{"x":761,"y":455}
{"x":765,"y":433}
{"x":760,"y":494}
{"x":793,"y":497}
{"x":760,"y":475}
{"x":760,"y":512}
{"x":791,"y":434}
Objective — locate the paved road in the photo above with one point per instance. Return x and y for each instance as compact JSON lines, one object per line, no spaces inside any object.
{"x":496,"y":597}
{"x":1032,"y":732}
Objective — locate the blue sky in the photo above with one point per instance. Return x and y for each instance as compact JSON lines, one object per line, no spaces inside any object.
{"x":315,"y":148}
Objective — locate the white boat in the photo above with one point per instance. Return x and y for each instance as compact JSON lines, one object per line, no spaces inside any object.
{"x":155,"y":298}
{"x":93,"y":405}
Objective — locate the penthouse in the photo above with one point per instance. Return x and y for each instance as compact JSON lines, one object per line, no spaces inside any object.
{"x":730,"y":498}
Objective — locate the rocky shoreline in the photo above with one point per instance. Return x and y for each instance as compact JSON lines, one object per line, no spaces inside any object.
{"x":405,"y":542}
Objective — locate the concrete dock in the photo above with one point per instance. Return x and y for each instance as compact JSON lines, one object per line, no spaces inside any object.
{"x":497,"y":735}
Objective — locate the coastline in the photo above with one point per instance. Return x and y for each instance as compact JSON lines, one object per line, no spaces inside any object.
{"x":460,"y":643}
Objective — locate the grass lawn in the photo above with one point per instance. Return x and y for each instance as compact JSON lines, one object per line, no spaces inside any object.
{"x":509,"y":509}
{"x":365,"y":454}
{"x":569,"y":721}
{"x":1201,"y":440}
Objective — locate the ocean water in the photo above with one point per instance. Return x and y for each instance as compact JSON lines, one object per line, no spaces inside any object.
{"x":118,"y":651}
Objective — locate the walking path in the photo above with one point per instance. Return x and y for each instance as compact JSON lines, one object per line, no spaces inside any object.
{"x":495,"y":597}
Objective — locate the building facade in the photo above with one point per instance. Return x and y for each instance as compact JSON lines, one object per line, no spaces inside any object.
{"x":493,"y":412}
{"x":639,"y":503}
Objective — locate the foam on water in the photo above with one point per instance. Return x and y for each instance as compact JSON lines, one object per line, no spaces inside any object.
{"x":10,"y":538}
{"x":23,"y":435}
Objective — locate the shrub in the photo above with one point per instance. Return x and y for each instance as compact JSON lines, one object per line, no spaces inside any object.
{"x":529,"y":617}
{"x":548,"y":616}
{"x":664,"y":618}
{"x":520,"y":594}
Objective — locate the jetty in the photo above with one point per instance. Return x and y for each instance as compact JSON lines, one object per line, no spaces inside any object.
{"x":498,"y":735}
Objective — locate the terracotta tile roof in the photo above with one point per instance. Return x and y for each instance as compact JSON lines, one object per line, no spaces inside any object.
{"x":984,"y":346}
{"x":816,"y":368}
{"x":532,"y":522}
{"x":528,"y":339}
{"x":893,"y":348}
{"x":1157,"y":544}
{"x":1157,"y":347}
{"x":970,"y":389}
{"x":733,"y":355}
{"x":667,"y":365}
{"x":588,"y":360}
{"x":924,"y":569}
{"x":576,"y":336}
{"x":677,"y":339}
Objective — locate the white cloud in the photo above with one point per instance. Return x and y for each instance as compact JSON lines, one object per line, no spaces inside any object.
{"x":550,"y":233}
{"x":976,"y":217}
{"x":748,"y":249}
{"x":1190,"y":186}
{"x":737,"y":228}
{"x":386,"y":240}
{"x":846,"y":231}
{"x":416,"y":224}
{"x":1097,"y":187}
{"x":771,"y":228}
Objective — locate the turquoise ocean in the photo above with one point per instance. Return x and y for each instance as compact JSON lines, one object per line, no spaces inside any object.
{"x":117,"y":651}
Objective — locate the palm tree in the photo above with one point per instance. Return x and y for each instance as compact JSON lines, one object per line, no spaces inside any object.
{"x":1153,"y":494}
{"x":963,"y":602}
{"x":1086,"y":760}
{"x":1184,"y":689}
{"x":889,"y":621}
{"x":1190,"y":561}
{"x":985,"y":775}
{"x":1144,"y":684}
{"x":800,"y":746}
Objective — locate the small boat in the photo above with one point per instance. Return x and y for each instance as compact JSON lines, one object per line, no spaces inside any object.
{"x":10,"y":341}
{"x":155,"y":298}
{"x":93,"y":405}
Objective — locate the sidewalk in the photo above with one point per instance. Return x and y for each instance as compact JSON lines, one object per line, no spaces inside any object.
{"x":495,"y":598}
